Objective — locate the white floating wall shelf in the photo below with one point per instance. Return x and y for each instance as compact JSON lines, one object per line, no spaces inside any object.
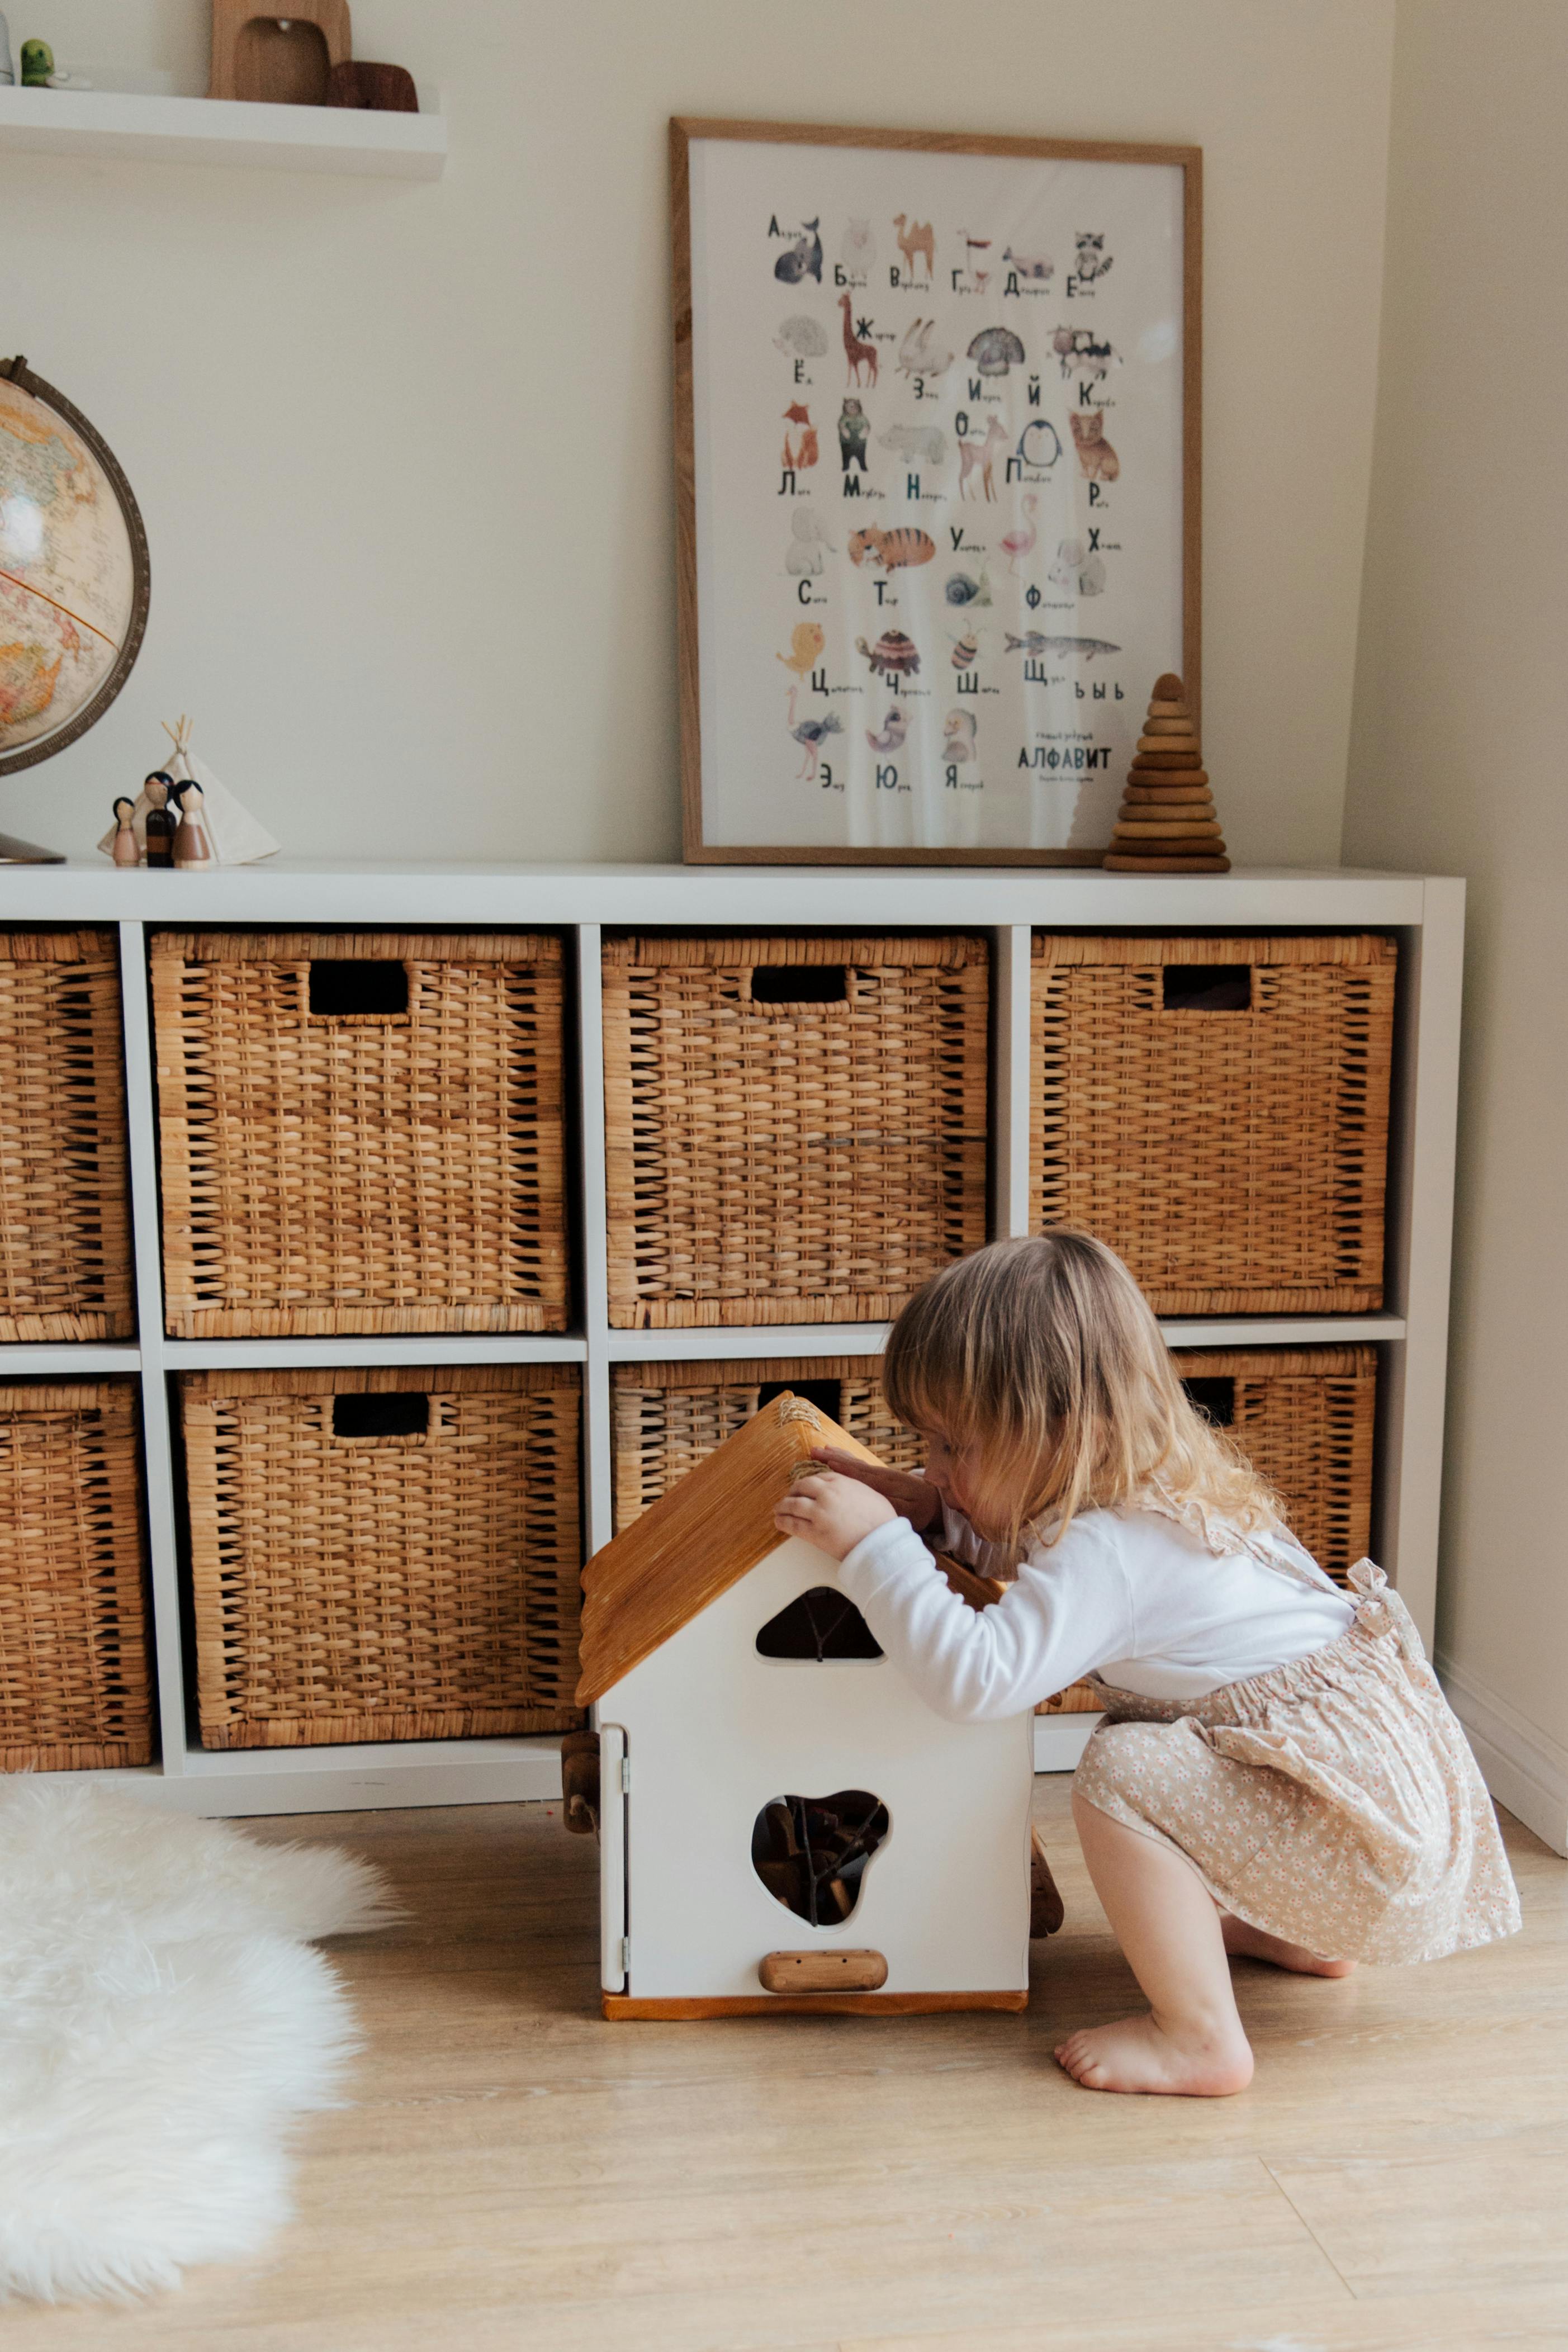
{"x":110,"y":124}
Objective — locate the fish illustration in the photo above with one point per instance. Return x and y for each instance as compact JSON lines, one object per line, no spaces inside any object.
{"x":1035,"y":643}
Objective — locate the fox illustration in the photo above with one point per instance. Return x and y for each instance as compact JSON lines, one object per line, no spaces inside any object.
{"x":805,"y":451}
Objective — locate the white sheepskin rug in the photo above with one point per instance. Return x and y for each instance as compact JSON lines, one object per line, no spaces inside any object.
{"x":163,"y":2021}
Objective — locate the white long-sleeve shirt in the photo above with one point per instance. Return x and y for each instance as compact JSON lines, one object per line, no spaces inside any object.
{"x":1130,"y":1594}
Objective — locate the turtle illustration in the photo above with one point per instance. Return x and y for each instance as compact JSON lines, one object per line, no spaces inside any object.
{"x":995,"y":349}
{"x":893,"y":655}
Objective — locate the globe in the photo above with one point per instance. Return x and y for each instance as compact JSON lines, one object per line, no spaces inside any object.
{"x":73,"y":571}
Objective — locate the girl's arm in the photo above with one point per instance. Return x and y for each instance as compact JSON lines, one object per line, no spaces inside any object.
{"x":1068,"y":1611}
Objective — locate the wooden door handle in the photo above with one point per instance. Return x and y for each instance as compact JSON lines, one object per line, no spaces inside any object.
{"x":822,"y":1971}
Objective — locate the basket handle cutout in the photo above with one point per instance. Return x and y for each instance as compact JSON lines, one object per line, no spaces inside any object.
{"x":800,"y":984}
{"x":826,"y":1395}
{"x":382,"y":1412}
{"x":346,"y":988}
{"x":1206,"y":987}
{"x":1214,"y":1394}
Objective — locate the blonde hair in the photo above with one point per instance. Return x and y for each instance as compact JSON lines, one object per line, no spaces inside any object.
{"x":1044,"y":1357}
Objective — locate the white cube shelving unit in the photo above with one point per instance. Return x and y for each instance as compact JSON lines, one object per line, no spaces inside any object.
{"x":1426,"y":914}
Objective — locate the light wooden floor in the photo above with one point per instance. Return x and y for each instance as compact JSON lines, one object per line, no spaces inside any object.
{"x":516,"y":2176}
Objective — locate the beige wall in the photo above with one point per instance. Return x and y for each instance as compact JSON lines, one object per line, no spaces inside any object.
{"x":1458,"y":763}
{"x":403,"y":451}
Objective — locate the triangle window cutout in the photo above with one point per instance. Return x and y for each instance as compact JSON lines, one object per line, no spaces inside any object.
{"x":821,"y":1626}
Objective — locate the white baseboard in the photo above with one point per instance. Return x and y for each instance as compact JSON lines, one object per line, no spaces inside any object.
{"x":1525,"y":1769}
{"x":1059,"y":1740}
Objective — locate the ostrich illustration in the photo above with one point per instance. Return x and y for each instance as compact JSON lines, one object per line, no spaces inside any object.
{"x":811,"y":734}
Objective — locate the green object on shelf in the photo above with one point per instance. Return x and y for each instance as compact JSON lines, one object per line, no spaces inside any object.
{"x":38,"y":64}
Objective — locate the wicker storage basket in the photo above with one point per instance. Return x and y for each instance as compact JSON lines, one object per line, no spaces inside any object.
{"x":65,"y":1234}
{"x":74,"y":1669}
{"x":1304,"y":1418}
{"x":668,"y":1417}
{"x":383,"y":1555}
{"x":1226,"y":1131}
{"x":360,"y":1132}
{"x":795,"y":1128}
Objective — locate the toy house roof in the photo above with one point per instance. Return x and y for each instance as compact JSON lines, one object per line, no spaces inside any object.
{"x":703,"y":1535}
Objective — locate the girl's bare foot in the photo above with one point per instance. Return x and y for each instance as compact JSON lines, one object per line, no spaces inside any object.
{"x":1137,"y":2054}
{"x":1254,"y":1945}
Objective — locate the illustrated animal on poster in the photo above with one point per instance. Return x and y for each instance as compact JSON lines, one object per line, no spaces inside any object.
{"x":803,"y":338}
{"x":960,"y":731}
{"x":915,"y":237}
{"x":854,"y":1848}
{"x":858,"y":251}
{"x":1093,"y":260}
{"x":967,"y":650}
{"x":976,"y":265}
{"x":1080,"y":354}
{"x":1037,"y":268}
{"x":1095,"y":455}
{"x":808,"y":537}
{"x":924,"y":445}
{"x":893,"y":655}
{"x":854,"y":430}
{"x":805,"y":644}
{"x":1042,"y":455}
{"x":1079,"y":573}
{"x":812,"y":734}
{"x":1019,"y":542}
{"x":981,"y":458}
{"x":995,"y":349}
{"x":802,"y":259}
{"x":1035,"y":643}
{"x":858,"y":354}
{"x":961,"y":589}
{"x":894,"y":726}
{"x":895,"y":551}
{"x":804,"y":452}
{"x":924,"y":353}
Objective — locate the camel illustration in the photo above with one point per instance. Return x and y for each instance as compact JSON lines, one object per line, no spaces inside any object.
{"x":858,"y":354}
{"x":918,"y":238}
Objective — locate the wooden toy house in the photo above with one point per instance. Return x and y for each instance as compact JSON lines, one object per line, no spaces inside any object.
{"x":784,"y":1822}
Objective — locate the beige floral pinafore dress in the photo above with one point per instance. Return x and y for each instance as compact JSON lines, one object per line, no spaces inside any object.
{"x":1334,"y":1802}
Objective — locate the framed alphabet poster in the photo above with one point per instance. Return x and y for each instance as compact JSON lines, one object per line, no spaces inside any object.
{"x":937,"y":458}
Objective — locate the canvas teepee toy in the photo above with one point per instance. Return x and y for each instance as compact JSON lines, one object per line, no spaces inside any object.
{"x":1166,"y":822}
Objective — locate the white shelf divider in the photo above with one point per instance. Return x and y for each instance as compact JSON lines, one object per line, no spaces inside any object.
{"x":126,"y":128}
{"x":1412,"y":1335}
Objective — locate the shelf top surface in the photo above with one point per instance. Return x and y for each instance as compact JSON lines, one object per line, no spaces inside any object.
{"x":305,"y":891}
{"x":132,"y":125}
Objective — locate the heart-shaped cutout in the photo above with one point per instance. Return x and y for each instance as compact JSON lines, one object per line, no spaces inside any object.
{"x":811,"y":1853}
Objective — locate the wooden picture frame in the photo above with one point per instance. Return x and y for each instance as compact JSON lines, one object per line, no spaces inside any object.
{"x":732,"y":790}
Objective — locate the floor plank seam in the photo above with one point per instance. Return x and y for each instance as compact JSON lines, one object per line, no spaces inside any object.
{"x":1309,"y":2229}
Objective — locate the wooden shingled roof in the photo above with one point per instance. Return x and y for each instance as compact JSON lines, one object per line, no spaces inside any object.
{"x":703,"y":1537}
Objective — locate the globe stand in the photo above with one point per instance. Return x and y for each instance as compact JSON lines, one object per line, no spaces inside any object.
{"x":16,"y":852}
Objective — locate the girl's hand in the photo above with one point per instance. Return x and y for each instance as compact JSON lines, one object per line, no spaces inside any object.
{"x":831,"y":1512}
{"x":913,"y":1497}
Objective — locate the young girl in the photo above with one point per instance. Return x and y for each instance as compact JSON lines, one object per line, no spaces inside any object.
{"x":1278,"y":1772}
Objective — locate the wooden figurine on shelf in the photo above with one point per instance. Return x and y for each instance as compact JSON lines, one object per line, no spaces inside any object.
{"x":383,"y":89}
{"x":161,"y":818}
{"x":281,"y":61}
{"x":127,"y":850}
{"x":798,"y":1830}
{"x":192,"y":847}
{"x":1166,"y":822}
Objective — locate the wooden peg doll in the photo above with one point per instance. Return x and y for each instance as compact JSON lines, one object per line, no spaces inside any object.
{"x":192,"y":847}
{"x":127,"y":849}
{"x":161,"y":818}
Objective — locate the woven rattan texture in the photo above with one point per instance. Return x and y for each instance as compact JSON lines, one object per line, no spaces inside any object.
{"x":407,"y":1587}
{"x":1236,"y":1160}
{"x":1305,"y":1418}
{"x":398,"y":1171}
{"x":75,"y":1668}
{"x":800,"y":1162}
{"x":669,"y":1417}
{"x":65,"y":1234}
